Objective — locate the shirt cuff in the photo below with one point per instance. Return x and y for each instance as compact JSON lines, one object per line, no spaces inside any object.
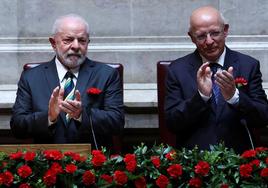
{"x":204,"y":97}
{"x":51,"y":122}
{"x":79,"y":119}
{"x":235,"y":99}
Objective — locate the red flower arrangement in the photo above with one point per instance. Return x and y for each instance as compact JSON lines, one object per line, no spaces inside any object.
{"x":131,"y":163}
{"x":160,"y":166}
{"x":70,"y":168}
{"x":240,"y":81}
{"x":120,"y":177}
{"x":156,"y":161}
{"x":175,"y":170}
{"x":202,"y":168}
{"x":24,"y":171}
{"x":98,"y":158}
{"x":162,"y":181}
{"x":93,"y":91}
{"x":88,"y":178}
{"x":140,"y":182}
{"x":245,"y":170}
{"x":195,"y":182}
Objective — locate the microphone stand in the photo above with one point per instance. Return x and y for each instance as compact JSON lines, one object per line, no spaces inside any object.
{"x":92,"y":129}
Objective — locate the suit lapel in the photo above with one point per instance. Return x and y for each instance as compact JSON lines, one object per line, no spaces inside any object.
{"x":51,"y":75}
{"x":195,"y":62}
{"x":230,"y":59}
{"x":84,"y":76}
{"x":52,"y":78}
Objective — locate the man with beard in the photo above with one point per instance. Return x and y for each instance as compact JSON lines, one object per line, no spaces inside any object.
{"x":91,"y":112}
{"x":214,"y":94}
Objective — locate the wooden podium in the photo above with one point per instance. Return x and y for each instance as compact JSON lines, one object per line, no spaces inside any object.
{"x":83,"y":149}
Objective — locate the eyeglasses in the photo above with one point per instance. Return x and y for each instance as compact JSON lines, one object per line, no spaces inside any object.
{"x":212,"y":34}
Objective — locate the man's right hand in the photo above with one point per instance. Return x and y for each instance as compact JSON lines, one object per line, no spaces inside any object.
{"x":54,"y":102}
{"x":204,"y":82}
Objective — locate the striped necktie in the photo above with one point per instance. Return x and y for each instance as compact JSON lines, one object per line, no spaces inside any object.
{"x":69,"y":86}
{"x":215,"y":88}
{"x":68,"y":90}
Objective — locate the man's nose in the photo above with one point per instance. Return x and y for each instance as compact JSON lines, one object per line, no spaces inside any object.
{"x":75,"y":44}
{"x":209,"y":39}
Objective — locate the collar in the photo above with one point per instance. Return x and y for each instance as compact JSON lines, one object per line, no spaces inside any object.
{"x":62,"y":70}
{"x":220,"y":60}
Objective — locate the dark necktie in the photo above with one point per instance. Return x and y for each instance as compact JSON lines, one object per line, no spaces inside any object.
{"x":215,"y":88}
{"x":68,"y":89}
{"x":69,"y":86}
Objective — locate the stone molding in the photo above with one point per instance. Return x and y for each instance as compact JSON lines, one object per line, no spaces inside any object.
{"x":135,"y":95}
{"x":138,"y":43}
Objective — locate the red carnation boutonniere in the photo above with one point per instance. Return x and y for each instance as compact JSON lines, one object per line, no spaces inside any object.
{"x":93,"y":91}
{"x":240,"y":81}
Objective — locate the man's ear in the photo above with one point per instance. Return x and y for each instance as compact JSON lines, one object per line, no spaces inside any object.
{"x":226,"y":29}
{"x":52,"y":42}
{"x":192,"y":38}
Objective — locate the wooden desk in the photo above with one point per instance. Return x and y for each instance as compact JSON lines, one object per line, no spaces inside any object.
{"x":84,"y":149}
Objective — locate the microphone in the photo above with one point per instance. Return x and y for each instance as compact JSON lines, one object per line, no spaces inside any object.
{"x":248,"y":132}
{"x":92,"y":129}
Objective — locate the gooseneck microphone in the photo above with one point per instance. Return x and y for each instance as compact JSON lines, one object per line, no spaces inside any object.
{"x":92,"y":129}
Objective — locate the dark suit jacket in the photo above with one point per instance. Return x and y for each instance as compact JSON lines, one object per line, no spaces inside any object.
{"x":194,"y":120}
{"x":30,"y":111}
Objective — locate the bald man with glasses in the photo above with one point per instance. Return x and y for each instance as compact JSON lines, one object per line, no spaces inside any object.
{"x":204,"y":105}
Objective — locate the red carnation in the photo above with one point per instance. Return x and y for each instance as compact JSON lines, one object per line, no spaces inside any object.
{"x":107,"y":178}
{"x":88,"y":178}
{"x":195,"y":182}
{"x":131,"y":163}
{"x":70,"y":168}
{"x":240,"y":81}
{"x":171,"y":155}
{"x":202,"y":168}
{"x":75,"y":156}
{"x":156,"y":161}
{"x":57,"y":168}
{"x":162,"y":181}
{"x":140,"y":182}
{"x":79,"y":158}
{"x":98,"y":158}
{"x":245,"y":170}
{"x":261,"y":149}
{"x":16,"y":156}
{"x":249,"y":153}
{"x":120,"y":177}
{"x":50,"y":178}
{"x":255,"y":162}
{"x":93,"y":91}
{"x":264,"y":173}
{"x":24,"y":171}
{"x":70,"y":154}
{"x":53,"y":155}
{"x":6,"y":178}
{"x":24,"y":185}
{"x":175,"y":170}
{"x":29,"y":156}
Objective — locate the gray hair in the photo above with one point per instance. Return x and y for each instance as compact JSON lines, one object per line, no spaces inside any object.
{"x":58,"y":21}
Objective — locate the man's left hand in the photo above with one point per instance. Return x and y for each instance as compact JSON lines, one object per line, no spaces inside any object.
{"x":73,"y":107}
{"x":226,"y":82}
